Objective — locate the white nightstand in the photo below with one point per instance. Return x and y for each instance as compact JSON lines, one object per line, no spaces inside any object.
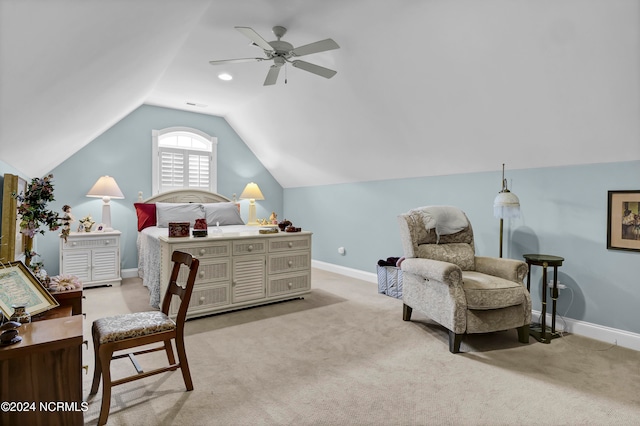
{"x":94,"y":257}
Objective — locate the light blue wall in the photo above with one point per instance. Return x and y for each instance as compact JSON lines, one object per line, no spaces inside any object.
{"x":124,"y":152}
{"x":564,"y":213}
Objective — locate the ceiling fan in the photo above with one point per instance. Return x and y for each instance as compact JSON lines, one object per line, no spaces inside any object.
{"x":281,"y":52}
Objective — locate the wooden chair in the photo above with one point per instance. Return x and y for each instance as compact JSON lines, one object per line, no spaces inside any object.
{"x":133,"y":330}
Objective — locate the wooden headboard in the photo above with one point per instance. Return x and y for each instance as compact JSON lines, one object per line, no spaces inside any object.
{"x":186,"y":196}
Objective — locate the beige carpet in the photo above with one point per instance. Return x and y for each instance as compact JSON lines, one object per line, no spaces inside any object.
{"x":343,"y":356}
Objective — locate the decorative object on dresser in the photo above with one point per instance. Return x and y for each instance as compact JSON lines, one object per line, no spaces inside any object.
{"x":240,"y":267}
{"x":94,"y":258}
{"x":128,"y":331}
{"x":506,"y":205}
{"x":252,"y":193}
{"x":444,"y":279}
{"x":19,"y":287}
{"x":106,"y":188}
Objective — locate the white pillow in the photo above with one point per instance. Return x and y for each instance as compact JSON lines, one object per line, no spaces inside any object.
{"x":178,"y":212}
{"x":224,"y":213}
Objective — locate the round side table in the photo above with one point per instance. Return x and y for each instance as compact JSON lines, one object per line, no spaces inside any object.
{"x":540,"y":331}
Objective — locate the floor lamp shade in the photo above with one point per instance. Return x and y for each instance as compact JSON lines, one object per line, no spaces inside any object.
{"x":252,"y":193}
{"x":106,"y":188}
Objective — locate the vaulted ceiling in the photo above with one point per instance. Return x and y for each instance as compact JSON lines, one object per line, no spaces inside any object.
{"x":423,"y":87}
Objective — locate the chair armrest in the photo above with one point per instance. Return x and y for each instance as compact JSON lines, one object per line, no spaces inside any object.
{"x":445,"y":272}
{"x":509,"y":269}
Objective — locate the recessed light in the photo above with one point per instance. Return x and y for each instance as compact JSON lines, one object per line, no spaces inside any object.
{"x":224,"y":76}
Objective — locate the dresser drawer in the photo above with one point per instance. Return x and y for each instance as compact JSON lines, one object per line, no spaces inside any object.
{"x":208,"y":271}
{"x":249,"y":247}
{"x":89,"y":243}
{"x":205,"y":250}
{"x":289,"y":262}
{"x":302,"y":242}
{"x":289,"y":283}
{"x":204,"y":298}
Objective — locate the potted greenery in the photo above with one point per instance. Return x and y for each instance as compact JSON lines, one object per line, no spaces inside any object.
{"x":33,"y":212}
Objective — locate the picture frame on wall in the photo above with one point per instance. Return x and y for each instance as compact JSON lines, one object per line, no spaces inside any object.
{"x":18,"y":286}
{"x":623,"y":220}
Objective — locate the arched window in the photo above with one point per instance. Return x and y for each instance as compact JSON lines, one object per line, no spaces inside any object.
{"x":183,"y":158}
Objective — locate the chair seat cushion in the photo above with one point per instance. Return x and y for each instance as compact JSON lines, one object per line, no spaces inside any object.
{"x":120,"y":327}
{"x":488,"y":292}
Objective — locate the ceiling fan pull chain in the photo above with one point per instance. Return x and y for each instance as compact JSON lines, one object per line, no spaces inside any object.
{"x":285,"y":73}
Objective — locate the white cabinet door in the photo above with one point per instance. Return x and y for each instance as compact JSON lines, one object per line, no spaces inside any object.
{"x":248,"y":282}
{"x":77,"y":262}
{"x":105,"y":265}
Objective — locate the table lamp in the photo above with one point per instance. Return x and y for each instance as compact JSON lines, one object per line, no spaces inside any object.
{"x":106,"y":188}
{"x":505,"y":205}
{"x":252,"y":193}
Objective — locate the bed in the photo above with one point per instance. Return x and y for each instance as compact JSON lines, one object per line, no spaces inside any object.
{"x":239,"y":266}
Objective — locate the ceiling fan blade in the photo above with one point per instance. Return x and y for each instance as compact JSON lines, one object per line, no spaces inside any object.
{"x":236,"y":61}
{"x":316,"y":69}
{"x":318,"y":46}
{"x":255,"y":37}
{"x":272,"y":75}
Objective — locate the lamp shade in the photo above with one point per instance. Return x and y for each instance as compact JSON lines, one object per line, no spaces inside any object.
{"x":251,"y":192}
{"x":106,"y":186}
{"x":506,"y":205}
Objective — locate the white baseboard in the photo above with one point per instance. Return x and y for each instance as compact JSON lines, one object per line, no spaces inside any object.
{"x":602,"y":333}
{"x":129,"y":273}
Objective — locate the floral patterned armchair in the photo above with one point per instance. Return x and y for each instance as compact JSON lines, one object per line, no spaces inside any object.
{"x":445,"y":280}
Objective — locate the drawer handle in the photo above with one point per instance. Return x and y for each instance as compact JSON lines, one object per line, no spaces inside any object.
{"x":201,"y":300}
{"x":290,"y":285}
{"x":74,"y":243}
{"x":290,"y":244}
{"x":202,"y":252}
{"x":290,"y":263}
{"x":107,"y":242}
{"x":201,"y":274}
{"x":250,"y":248}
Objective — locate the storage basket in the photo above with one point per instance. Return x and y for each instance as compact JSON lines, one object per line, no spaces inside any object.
{"x":390,"y":281}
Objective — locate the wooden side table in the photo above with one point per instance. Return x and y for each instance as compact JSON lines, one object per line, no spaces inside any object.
{"x":540,"y":331}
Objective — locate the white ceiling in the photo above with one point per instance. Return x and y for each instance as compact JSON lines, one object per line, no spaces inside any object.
{"x":423,"y":87}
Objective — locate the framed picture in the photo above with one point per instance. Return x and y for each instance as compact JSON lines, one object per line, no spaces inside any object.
{"x":18,"y":286}
{"x":623,"y":220}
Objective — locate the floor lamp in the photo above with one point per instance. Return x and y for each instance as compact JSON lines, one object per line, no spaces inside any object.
{"x":505,"y":205}
{"x":106,"y":188}
{"x":252,"y":193}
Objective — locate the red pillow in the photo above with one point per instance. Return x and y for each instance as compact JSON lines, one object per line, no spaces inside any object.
{"x":146,"y":215}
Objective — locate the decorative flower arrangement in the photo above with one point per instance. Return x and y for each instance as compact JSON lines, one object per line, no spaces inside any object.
{"x":33,"y":212}
{"x":87,"y":222}
{"x":33,"y":207}
{"x":64,"y":282}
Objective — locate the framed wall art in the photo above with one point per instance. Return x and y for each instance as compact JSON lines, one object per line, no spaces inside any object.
{"x":623,"y":220}
{"x":18,"y":286}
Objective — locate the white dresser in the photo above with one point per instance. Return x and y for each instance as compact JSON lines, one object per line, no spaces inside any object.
{"x":94,"y":257}
{"x":241,"y":271}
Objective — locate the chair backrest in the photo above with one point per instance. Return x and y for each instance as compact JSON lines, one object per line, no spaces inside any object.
{"x":423,"y":237}
{"x":184,"y":293}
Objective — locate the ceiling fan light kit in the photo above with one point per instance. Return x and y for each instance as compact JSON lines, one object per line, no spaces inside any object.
{"x":281,"y":53}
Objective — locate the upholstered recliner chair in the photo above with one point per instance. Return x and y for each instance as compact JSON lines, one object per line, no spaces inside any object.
{"x":446,"y":281}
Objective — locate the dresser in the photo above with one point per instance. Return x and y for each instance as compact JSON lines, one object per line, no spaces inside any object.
{"x":241,"y":271}
{"x":94,"y":257}
{"x":41,"y":377}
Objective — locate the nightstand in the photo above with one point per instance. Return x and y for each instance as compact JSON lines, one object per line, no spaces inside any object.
{"x":93,"y":257}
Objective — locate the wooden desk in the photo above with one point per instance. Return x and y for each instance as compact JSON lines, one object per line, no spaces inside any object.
{"x":43,"y":370}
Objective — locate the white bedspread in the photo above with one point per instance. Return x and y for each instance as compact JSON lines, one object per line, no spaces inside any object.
{"x":149,"y":261}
